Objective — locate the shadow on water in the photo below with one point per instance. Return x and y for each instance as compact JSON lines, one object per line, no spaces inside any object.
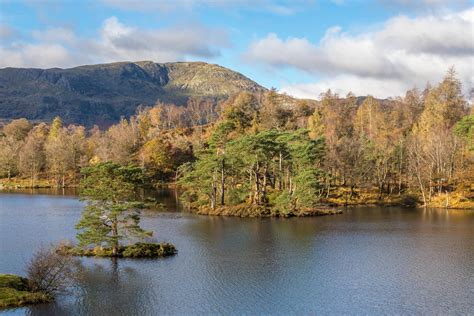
{"x":105,"y":286}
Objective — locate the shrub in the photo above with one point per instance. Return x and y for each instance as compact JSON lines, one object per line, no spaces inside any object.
{"x":149,"y":250}
{"x":237,"y":195}
{"x":283,"y":203}
{"x":49,"y":272}
{"x":409,"y":200}
{"x":138,"y":250}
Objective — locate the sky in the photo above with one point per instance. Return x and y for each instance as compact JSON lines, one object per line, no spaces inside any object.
{"x":300,"y":47}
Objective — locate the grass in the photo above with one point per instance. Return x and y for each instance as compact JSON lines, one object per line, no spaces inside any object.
{"x":25,"y":183}
{"x":248,"y":210}
{"x":455,"y":200}
{"x":14,"y":292}
{"x":138,"y":250}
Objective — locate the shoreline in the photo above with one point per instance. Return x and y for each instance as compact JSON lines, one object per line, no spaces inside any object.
{"x":336,"y":201}
{"x":258,"y":211}
{"x":15,"y":292}
{"x":137,"y":250}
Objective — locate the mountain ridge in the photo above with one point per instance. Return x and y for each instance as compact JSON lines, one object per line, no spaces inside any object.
{"x":102,"y":93}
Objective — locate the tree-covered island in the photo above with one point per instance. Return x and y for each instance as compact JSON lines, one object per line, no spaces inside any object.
{"x":112,"y":215}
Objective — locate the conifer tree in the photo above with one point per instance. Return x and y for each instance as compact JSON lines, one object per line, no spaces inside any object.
{"x":113,"y":210}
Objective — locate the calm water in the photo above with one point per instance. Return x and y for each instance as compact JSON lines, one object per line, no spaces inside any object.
{"x":366,"y":261}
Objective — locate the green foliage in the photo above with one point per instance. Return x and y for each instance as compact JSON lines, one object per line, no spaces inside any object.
{"x":13,"y":281}
{"x":465,"y":129}
{"x":242,"y":111}
{"x":113,"y":208}
{"x":148,"y":250}
{"x":307,"y":186}
{"x":278,"y":169}
{"x":282,"y":202}
{"x":14,"y":292}
{"x":237,"y":195}
{"x":137,"y":250}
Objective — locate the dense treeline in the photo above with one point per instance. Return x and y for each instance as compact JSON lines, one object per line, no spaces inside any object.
{"x":418,"y":148}
{"x":260,"y":150}
{"x":157,"y":139}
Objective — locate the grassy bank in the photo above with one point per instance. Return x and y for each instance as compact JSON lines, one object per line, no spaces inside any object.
{"x":246,"y":210}
{"x":453,"y":200}
{"x":339,"y":197}
{"x":138,"y":250}
{"x":23,"y":183}
{"x":14,"y":292}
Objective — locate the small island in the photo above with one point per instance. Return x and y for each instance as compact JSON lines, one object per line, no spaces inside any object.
{"x":16,"y":291}
{"x":138,"y":250}
{"x":112,"y":214}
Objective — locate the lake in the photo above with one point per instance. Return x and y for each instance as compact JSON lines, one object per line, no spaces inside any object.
{"x":365,"y":261}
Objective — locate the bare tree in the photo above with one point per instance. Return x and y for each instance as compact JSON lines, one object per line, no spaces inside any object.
{"x":50,"y":272}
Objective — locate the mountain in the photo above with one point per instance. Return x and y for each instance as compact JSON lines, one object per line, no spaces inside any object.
{"x":101,"y":94}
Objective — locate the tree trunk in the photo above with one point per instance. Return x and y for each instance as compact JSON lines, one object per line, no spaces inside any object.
{"x":222,"y":182}
{"x":400,"y":167}
{"x":257,"y":185}
{"x":328,"y":188}
{"x":115,"y":244}
{"x":264,"y":185}
{"x":422,"y":189}
{"x":251,"y":185}
{"x":214,"y":191}
{"x":280,"y":175}
{"x":447,"y":199}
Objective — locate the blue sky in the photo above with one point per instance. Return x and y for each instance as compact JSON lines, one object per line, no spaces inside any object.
{"x":302,"y":47}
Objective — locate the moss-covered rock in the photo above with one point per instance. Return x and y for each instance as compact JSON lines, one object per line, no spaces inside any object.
{"x":149,"y":250}
{"x":138,"y":250}
{"x":15,"y":292}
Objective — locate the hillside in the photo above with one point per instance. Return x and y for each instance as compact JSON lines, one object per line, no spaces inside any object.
{"x":101,"y":94}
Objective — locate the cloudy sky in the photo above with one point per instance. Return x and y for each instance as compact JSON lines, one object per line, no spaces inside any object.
{"x":302,"y":47}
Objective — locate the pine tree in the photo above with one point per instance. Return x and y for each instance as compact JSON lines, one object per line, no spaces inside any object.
{"x":113,"y":210}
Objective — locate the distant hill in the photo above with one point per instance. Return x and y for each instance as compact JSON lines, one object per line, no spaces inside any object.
{"x":101,"y":94}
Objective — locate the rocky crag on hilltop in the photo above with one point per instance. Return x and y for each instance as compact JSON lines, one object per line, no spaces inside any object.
{"x":101,"y":94}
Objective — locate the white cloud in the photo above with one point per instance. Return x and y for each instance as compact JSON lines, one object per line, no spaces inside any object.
{"x":347,"y":83}
{"x":119,"y":41}
{"x":404,"y":52}
{"x":54,"y":35}
{"x":115,"y":41}
{"x":6,"y":32}
{"x":426,"y":5}
{"x":35,"y":55}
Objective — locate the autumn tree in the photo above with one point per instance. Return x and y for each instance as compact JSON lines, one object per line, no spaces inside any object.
{"x":59,"y":152}
{"x":156,"y":158}
{"x":123,"y":141}
{"x":242,"y":110}
{"x":9,"y":155}
{"x":32,"y":158}
{"x":17,"y":129}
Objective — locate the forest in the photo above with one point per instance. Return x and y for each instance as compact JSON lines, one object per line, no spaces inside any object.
{"x":259,"y":152}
